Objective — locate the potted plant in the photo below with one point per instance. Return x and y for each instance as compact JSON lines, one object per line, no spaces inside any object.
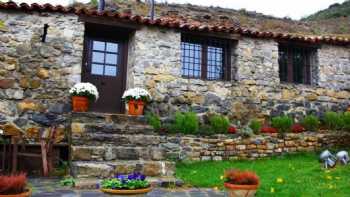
{"x":241,"y":183}
{"x":14,"y":186}
{"x":131,"y":184}
{"x":81,"y":94}
{"x":136,"y":99}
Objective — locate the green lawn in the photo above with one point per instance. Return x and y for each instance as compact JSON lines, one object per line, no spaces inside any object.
{"x":302,"y":176}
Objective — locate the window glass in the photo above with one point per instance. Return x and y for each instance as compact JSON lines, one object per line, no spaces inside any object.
{"x":97,"y":69}
{"x":98,"y":57}
{"x":98,"y":45}
{"x":111,"y":71}
{"x":111,"y":59}
{"x":112,"y":47}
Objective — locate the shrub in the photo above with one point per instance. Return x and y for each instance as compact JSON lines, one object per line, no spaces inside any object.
{"x":268,"y":130}
{"x":246,"y":132}
{"x":13,"y":184}
{"x":68,"y":182}
{"x":219,"y":124}
{"x":238,"y":177}
{"x":298,"y":128}
{"x":232,"y":130}
{"x":311,"y":123}
{"x":333,"y":121}
{"x":255,"y":125}
{"x":346,"y":121}
{"x":282,"y":123}
{"x":154,"y":121}
{"x":186,"y":123}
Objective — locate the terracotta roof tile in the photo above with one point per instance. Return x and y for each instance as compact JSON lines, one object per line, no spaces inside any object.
{"x":174,"y":22}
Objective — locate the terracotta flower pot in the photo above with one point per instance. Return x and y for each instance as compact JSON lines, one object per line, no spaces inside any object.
{"x":136,"y":107}
{"x":80,"y":103}
{"x":28,"y":193}
{"x":127,"y":192}
{"x":241,"y":190}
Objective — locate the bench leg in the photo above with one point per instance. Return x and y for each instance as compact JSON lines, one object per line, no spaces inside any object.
{"x":14,"y":156}
{"x":44,"y":158}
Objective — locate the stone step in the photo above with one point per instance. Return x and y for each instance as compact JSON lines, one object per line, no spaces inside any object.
{"x":105,"y":169}
{"x":112,"y":128}
{"x":94,"y":117}
{"x":109,"y":153}
{"x":98,"y":139}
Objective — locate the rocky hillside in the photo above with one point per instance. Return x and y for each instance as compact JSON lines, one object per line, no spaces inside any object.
{"x":243,"y":18}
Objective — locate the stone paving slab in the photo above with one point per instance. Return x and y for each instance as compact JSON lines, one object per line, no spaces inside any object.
{"x":52,"y":188}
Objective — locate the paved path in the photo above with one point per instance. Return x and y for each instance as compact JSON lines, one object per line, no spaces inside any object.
{"x":52,"y":188}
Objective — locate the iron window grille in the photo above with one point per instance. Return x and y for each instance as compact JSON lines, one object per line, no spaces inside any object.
{"x":295,"y":63}
{"x":205,"y":58}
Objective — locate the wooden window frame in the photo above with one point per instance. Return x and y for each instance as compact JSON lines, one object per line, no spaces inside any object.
{"x":290,"y":69}
{"x":205,"y":42}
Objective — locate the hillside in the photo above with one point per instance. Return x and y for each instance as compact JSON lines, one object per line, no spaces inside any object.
{"x":243,"y":18}
{"x":332,"y":12}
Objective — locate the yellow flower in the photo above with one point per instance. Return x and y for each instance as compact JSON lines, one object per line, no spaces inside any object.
{"x":279,"y":180}
{"x":221,"y":177}
{"x":329,"y":177}
{"x":215,"y":188}
{"x":272,"y":190}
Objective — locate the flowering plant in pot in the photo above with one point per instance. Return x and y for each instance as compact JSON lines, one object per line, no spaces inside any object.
{"x":241,"y":183}
{"x":130,"y":184}
{"x":14,"y":186}
{"x":81,"y":94}
{"x":136,"y":99}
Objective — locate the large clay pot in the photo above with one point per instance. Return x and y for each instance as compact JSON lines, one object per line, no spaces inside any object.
{"x":241,"y":190}
{"x":80,"y":103}
{"x":28,"y":193}
{"x":135,"y":107}
{"x":127,"y":192}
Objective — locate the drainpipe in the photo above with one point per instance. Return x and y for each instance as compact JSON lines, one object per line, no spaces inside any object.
{"x":101,"y":5}
{"x":151,"y":11}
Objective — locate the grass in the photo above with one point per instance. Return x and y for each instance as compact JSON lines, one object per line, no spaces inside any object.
{"x":299,"y":175}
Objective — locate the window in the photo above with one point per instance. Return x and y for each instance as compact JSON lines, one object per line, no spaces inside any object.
{"x":295,"y":63}
{"x":104,"y":58}
{"x":205,"y":58}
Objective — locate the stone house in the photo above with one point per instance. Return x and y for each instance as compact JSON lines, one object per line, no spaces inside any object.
{"x":45,"y":50}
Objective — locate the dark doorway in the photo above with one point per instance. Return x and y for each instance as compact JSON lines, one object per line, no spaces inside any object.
{"x":104,"y":65}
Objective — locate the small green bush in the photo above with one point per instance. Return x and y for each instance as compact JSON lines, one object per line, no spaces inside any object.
{"x":219,"y":124}
{"x":154,"y":121}
{"x":186,"y":123}
{"x":311,"y":123}
{"x":255,"y":125}
{"x":333,"y":120}
{"x":346,"y":121}
{"x":282,"y":123}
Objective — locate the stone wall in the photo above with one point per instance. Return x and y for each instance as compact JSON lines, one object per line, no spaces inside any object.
{"x":255,"y":88}
{"x":34,"y":76}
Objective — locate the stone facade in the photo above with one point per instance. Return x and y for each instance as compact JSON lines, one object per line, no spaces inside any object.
{"x":34,"y":76}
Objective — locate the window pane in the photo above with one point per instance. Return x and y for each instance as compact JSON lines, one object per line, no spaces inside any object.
{"x":215,"y":63}
{"x":97,"y":69}
{"x":98,"y":57}
{"x":111,"y":71}
{"x":191,"y":57}
{"x":112,"y":47}
{"x":97,"y":45}
{"x":111,"y":59}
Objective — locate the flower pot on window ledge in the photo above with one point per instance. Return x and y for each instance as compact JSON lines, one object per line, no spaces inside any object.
{"x":136,"y":107}
{"x":80,"y":103}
